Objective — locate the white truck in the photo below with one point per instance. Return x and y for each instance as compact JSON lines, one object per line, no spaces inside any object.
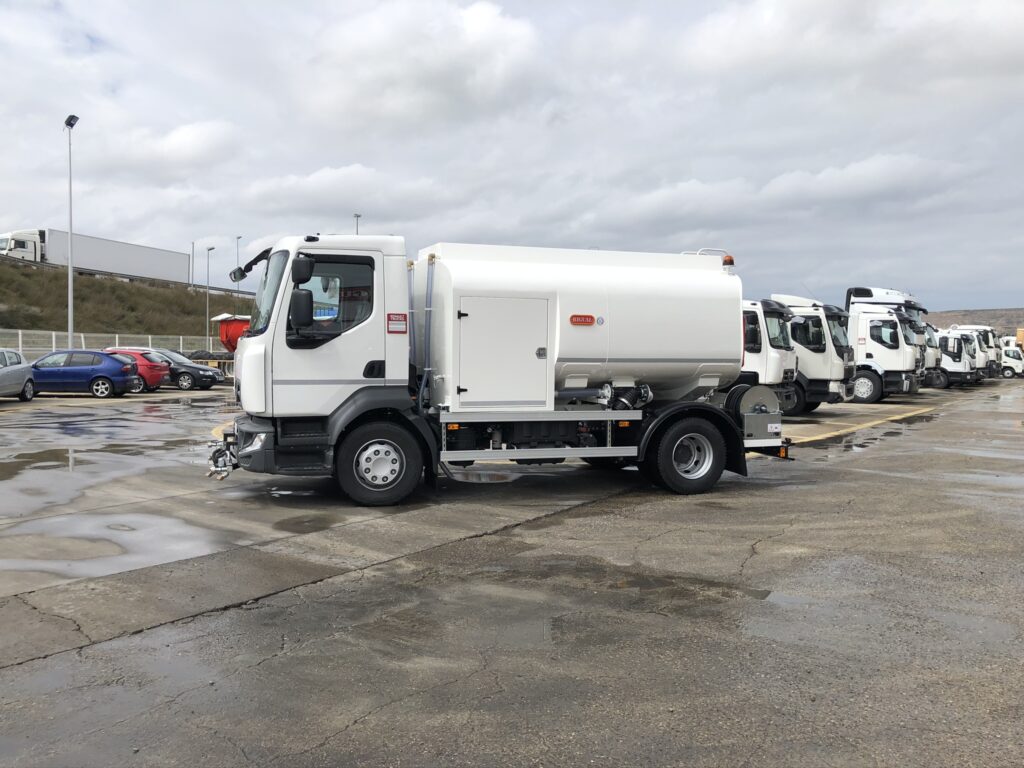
{"x":361,"y":365}
{"x":769,"y":357}
{"x":96,"y":255}
{"x":911,"y":313}
{"x":1012,"y":362}
{"x":989,"y":340}
{"x":825,"y":365}
{"x":885,"y":352}
{"x":957,"y":361}
{"x":978,"y":352}
{"x":934,"y":374}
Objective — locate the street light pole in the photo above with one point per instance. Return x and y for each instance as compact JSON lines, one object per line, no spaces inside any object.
{"x":208,"y":249}
{"x":69,"y":122}
{"x":357,"y":217}
{"x":237,"y":262}
{"x":192,"y":266}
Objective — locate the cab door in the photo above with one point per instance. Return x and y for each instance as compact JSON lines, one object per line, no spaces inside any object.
{"x":313,"y":373}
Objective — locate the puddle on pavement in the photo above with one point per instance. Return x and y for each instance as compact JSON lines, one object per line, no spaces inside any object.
{"x":88,"y":545}
{"x":308,"y":523}
{"x":864,"y":439}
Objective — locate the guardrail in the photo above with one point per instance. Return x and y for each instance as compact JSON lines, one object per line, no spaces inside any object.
{"x":32,"y":344}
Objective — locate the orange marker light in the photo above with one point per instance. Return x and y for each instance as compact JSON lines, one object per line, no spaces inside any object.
{"x":452,"y":427}
{"x":728,"y":261}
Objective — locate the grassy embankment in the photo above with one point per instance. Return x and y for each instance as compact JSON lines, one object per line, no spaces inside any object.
{"x":35,"y":298}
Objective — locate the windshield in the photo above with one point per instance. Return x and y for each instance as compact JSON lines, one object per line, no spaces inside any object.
{"x":930,"y":338}
{"x":908,"y":333}
{"x":778,"y":331}
{"x":837,"y":327}
{"x":3,"y":243}
{"x":969,"y":345}
{"x":267,"y":292}
{"x":986,"y":338}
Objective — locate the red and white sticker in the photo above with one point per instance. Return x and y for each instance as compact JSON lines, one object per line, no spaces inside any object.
{"x":582,"y":320}
{"x":398,"y":322}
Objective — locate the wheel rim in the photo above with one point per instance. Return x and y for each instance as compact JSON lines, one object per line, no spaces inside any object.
{"x":692,"y":456}
{"x":863,"y":387}
{"x":1007,"y":373}
{"x":101,"y":388}
{"x":137,"y":387}
{"x":29,"y":390}
{"x":379,"y":464}
{"x":185,"y":382}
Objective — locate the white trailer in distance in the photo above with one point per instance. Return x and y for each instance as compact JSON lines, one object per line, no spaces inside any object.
{"x":769,"y":357}
{"x":531,"y":355}
{"x":825,"y":365}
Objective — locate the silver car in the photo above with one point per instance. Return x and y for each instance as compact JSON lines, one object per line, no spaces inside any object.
{"x":15,"y":376}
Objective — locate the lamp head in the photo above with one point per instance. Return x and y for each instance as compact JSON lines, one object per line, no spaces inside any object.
{"x":71,"y":121}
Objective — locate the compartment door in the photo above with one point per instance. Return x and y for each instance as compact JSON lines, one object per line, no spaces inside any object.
{"x":503,"y":354}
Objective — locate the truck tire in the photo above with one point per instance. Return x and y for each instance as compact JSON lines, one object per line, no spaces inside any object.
{"x":867,"y":387}
{"x":690,"y":456}
{"x":808,"y":407}
{"x":607,"y":462}
{"x":799,"y":405}
{"x":1009,"y":373}
{"x":941,"y":380}
{"x":102,"y":387}
{"x":378,"y":464}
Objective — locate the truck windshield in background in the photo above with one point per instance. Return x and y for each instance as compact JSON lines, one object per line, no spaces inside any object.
{"x":930,"y":338}
{"x":908,"y":333}
{"x":778,"y":331}
{"x":837,"y":327}
{"x":3,"y":243}
{"x":263,"y":305}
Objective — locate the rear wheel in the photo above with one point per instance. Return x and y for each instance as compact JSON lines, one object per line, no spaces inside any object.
{"x":28,"y":391}
{"x":867,"y":387}
{"x":799,"y":403}
{"x":1009,"y":373}
{"x":186,"y":382}
{"x":378,"y":464}
{"x":137,"y":386}
{"x":690,"y":456}
{"x":102,"y":388}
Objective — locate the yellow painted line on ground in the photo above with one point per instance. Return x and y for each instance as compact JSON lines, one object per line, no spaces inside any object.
{"x":865,"y":425}
{"x":218,"y":431}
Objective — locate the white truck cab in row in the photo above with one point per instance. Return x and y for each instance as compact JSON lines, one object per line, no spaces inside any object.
{"x":1012,"y":362}
{"x":911,"y":314}
{"x":825,"y":365}
{"x":769,"y":357}
{"x":378,"y":371}
{"x":988,"y":339}
{"x":958,"y":352}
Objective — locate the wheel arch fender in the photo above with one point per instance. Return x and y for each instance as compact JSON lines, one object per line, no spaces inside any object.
{"x":384,"y":404}
{"x":735,"y":453}
{"x":871,"y":365}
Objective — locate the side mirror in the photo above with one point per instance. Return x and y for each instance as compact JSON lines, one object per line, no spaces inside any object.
{"x":237,"y":275}
{"x":302,"y":270}
{"x":300,"y":311}
{"x":797,"y":319}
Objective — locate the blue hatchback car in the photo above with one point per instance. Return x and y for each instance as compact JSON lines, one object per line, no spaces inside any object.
{"x":84,"y":370}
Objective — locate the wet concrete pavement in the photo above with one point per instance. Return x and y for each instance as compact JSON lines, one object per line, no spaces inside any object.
{"x":858,"y":606}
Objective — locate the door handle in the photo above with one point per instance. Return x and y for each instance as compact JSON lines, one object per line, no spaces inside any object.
{"x":542,"y":353}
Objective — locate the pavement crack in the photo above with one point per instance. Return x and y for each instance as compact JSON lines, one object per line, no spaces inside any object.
{"x":753,"y":547}
{"x":77,"y":627}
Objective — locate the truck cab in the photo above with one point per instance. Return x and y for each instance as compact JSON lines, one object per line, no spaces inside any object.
{"x":26,"y":244}
{"x":989,"y":342}
{"x":886,"y":353}
{"x":933,"y":373}
{"x":1012,"y":362}
{"x":769,"y":357}
{"x":957,"y":359}
{"x":825,"y":366}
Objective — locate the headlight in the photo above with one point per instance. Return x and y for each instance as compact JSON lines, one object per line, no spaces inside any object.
{"x":257,"y":442}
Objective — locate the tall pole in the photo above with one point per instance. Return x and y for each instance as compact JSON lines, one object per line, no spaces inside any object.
{"x":357,"y":217}
{"x":191,"y":264}
{"x":69,"y":123}
{"x":237,"y":262}
{"x":208,"y":249}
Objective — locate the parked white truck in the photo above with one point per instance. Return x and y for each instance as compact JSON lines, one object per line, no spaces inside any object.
{"x":825,"y":366}
{"x":96,"y":255}
{"x":885,"y":352}
{"x":988,"y":339}
{"x":957,"y":361}
{"x":525,"y":354}
{"x":911,"y":314}
{"x":978,"y":352}
{"x":769,"y":357}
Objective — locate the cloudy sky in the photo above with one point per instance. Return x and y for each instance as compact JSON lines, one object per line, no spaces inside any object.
{"x":825,"y":144}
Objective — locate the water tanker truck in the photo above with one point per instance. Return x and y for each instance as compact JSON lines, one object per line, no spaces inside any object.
{"x":378,"y":371}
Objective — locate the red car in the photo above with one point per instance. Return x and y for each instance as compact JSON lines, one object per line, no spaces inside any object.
{"x":153,"y":369}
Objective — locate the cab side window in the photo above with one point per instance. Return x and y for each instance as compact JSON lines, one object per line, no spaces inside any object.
{"x":810,"y":333}
{"x":885,"y":333}
{"x":342,"y":294}
{"x":751,"y":332}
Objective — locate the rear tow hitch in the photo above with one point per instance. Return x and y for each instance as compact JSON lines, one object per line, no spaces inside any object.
{"x":223,"y":456}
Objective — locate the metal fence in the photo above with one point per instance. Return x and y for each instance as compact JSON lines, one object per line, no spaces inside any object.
{"x":34,"y":344}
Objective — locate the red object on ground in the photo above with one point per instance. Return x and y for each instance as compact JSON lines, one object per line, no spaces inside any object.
{"x":231,"y":330}
{"x":151,"y":367}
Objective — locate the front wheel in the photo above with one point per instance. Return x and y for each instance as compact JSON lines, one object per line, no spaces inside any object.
{"x":28,"y":391}
{"x":941,"y":380}
{"x":102,"y":388}
{"x":1009,"y":373}
{"x":378,"y":464}
{"x":186,"y":382}
{"x":867,"y":387}
{"x":808,"y":407}
{"x":799,"y":405}
{"x":690,"y":456}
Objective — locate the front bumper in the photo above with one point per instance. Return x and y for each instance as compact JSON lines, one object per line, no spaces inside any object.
{"x":899,"y":382}
{"x":828,"y":391}
{"x":254,"y":444}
